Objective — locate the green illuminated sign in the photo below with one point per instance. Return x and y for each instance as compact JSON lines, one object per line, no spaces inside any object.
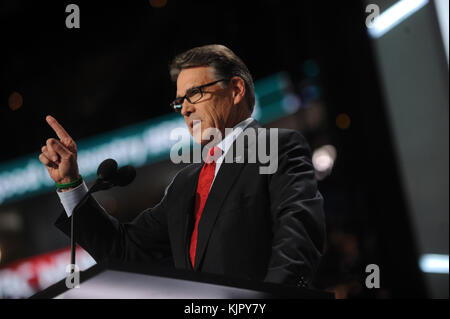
{"x":136,"y":145}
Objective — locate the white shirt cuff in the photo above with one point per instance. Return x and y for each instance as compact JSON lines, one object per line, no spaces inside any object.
{"x":71,"y":198}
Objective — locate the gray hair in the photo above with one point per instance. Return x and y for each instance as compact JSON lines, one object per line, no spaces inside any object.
{"x":222,"y":60}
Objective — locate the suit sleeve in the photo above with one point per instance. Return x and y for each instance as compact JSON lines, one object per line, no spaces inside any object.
{"x":297,"y":214}
{"x":145,"y":239}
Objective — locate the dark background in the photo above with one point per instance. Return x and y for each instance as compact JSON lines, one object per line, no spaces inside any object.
{"x":113,"y":72}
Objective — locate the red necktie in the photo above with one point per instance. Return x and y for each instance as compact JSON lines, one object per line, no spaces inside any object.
{"x":204,"y":184}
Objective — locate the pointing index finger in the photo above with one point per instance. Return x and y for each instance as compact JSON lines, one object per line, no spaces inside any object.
{"x":59,"y":130}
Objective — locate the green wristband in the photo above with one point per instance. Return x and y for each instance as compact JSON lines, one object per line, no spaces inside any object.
{"x":74,"y":183}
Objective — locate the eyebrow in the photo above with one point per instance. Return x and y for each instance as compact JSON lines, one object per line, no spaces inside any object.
{"x":187,"y":91}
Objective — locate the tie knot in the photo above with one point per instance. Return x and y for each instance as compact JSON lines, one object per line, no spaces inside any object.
{"x":213,"y":154}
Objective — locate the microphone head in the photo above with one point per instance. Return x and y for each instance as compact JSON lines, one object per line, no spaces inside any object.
{"x":107,"y":169}
{"x":125,"y":175}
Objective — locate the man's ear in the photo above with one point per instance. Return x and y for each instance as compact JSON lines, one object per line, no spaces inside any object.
{"x":238,"y":89}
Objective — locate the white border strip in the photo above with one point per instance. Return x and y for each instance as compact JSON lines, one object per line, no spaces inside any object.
{"x":434,"y":263}
{"x":394,"y":15}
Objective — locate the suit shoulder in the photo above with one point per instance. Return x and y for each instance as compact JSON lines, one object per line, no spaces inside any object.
{"x":186,"y":172}
{"x":289,"y":137}
{"x":291,"y":140}
{"x":180,"y":177}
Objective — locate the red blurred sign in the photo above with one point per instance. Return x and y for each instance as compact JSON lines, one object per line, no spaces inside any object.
{"x":24,"y":278}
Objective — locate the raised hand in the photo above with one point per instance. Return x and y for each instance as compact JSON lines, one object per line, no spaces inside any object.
{"x":60,"y":156}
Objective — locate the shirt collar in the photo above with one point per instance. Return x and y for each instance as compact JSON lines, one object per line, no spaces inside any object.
{"x":229,"y":139}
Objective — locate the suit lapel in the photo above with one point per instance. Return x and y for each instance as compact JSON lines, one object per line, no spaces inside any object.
{"x":225,"y":179}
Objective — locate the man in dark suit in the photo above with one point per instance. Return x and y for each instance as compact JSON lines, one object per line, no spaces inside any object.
{"x":219,"y":216}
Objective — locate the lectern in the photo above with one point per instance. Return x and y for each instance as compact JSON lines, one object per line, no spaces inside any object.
{"x":117,"y":281}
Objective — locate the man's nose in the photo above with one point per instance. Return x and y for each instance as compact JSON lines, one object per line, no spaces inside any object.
{"x":187,"y":108}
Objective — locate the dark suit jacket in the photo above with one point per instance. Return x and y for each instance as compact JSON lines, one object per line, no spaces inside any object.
{"x":253,"y":226}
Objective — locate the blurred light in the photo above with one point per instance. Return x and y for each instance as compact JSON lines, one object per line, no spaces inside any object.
{"x":10,"y":221}
{"x":0,"y":255}
{"x":323,"y":160}
{"x":434,"y":263}
{"x":291,"y":103}
{"x":311,"y":68}
{"x":343,"y":121}
{"x":15,"y":101}
{"x":158,"y":3}
{"x":310,"y":92}
{"x":314,"y":115}
{"x":394,"y":15}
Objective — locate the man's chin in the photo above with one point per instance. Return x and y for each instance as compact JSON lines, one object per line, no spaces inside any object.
{"x":203,"y":132}
{"x":201,"y":141}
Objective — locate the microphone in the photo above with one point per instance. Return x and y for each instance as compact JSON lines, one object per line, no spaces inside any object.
{"x":107,"y":169}
{"x":108,"y":176}
{"x":125,"y":175}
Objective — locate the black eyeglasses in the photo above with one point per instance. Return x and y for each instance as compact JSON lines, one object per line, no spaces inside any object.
{"x":193,"y":95}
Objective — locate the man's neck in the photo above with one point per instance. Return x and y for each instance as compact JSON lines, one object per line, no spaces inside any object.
{"x":237,"y":118}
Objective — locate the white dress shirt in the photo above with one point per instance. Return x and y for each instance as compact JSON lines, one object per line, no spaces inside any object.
{"x":71,"y":198}
{"x":226,"y":143}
